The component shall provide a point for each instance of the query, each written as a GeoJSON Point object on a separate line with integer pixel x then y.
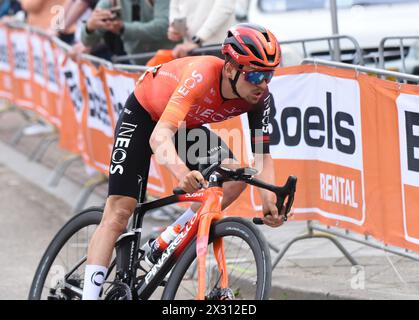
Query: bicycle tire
{"type": "Point", "coordinates": [90, 216]}
{"type": "Point", "coordinates": [231, 226]}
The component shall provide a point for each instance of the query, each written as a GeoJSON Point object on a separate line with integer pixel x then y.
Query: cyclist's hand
{"type": "Point", "coordinates": [271, 216]}
{"type": "Point", "coordinates": [174, 35]}
{"type": "Point", "coordinates": [192, 181]}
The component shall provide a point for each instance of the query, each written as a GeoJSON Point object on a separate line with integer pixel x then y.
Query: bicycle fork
{"type": "Point", "coordinates": [211, 212]}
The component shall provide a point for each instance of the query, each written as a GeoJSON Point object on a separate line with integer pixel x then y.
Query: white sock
{"type": "Point", "coordinates": [94, 278]}
{"type": "Point", "coordinates": [185, 217]}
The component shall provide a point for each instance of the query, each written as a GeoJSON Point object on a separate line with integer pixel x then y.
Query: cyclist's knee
{"type": "Point", "coordinates": [118, 210]}
{"type": "Point", "coordinates": [117, 220]}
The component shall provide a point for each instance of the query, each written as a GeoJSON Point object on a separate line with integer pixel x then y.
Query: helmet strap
{"type": "Point", "coordinates": [233, 82]}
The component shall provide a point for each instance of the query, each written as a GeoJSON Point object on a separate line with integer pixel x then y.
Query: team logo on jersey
{"type": "Point", "coordinates": [190, 83]}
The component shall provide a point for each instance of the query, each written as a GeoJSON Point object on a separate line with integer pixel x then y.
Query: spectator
{"type": "Point", "coordinates": [206, 22]}
{"type": "Point", "coordinates": [76, 11]}
{"type": "Point", "coordinates": [76, 14]}
{"type": "Point", "coordinates": [133, 26]}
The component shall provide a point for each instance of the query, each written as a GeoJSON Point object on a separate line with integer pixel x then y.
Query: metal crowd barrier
{"type": "Point", "coordinates": [334, 50]}
{"type": "Point", "coordinates": [214, 50]}
{"type": "Point", "coordinates": [401, 52]}
{"type": "Point", "coordinates": [328, 232]}
{"type": "Point", "coordinates": [333, 42]}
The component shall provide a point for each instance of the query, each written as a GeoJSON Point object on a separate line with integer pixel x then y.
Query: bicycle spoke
{"type": "Point", "coordinates": [65, 264]}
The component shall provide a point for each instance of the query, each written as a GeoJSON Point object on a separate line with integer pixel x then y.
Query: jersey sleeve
{"type": "Point", "coordinates": [192, 84]}
{"type": "Point", "coordinates": [259, 124]}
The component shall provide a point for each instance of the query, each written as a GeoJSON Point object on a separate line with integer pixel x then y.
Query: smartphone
{"type": "Point", "coordinates": [116, 12]}
{"type": "Point", "coordinates": [180, 25]}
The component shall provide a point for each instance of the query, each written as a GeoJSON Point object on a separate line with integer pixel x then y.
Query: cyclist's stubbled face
{"type": "Point", "coordinates": [249, 92]}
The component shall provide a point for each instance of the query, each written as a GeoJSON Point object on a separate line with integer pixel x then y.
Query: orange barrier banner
{"type": "Point", "coordinates": [53, 84]}
{"type": "Point", "coordinates": [6, 79]}
{"type": "Point", "coordinates": [61, 102]}
{"type": "Point", "coordinates": [22, 69]}
{"type": "Point", "coordinates": [39, 82]}
{"type": "Point", "coordinates": [96, 121]}
{"type": "Point", "coordinates": [118, 86]}
{"type": "Point", "coordinates": [71, 138]}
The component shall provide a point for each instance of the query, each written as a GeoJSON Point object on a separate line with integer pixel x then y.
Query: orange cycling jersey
{"type": "Point", "coordinates": [189, 90]}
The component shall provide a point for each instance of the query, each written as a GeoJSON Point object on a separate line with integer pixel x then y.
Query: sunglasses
{"type": "Point", "coordinates": [257, 77]}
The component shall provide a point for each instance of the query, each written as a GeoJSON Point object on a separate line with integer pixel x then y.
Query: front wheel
{"type": "Point", "coordinates": [248, 264]}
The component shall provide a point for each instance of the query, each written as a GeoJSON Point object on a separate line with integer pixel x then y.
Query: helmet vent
{"type": "Point", "coordinates": [265, 34]}
{"type": "Point", "coordinates": [271, 57]}
{"type": "Point", "coordinates": [238, 50]}
{"type": "Point", "coordinates": [250, 44]}
{"type": "Point", "coordinates": [255, 51]}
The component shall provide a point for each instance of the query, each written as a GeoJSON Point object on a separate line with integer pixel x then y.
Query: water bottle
{"type": "Point", "coordinates": [158, 246]}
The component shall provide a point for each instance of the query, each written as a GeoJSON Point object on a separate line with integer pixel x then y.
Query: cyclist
{"type": "Point", "coordinates": [193, 91]}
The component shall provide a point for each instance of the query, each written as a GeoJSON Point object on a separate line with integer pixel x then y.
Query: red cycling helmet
{"type": "Point", "coordinates": [252, 45]}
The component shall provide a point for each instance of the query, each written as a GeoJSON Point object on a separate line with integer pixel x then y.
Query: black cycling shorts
{"type": "Point", "coordinates": [130, 158]}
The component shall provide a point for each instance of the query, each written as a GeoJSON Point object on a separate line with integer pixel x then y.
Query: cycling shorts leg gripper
{"type": "Point", "coordinates": [130, 158]}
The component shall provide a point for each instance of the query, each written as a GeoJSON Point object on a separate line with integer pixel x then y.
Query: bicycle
{"type": "Point", "coordinates": [185, 261]}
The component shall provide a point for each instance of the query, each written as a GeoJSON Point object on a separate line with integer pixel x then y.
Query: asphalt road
{"type": "Point", "coordinates": [29, 218]}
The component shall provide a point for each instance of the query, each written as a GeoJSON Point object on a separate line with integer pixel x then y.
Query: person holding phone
{"type": "Point", "coordinates": [199, 23]}
{"type": "Point", "coordinates": [138, 25]}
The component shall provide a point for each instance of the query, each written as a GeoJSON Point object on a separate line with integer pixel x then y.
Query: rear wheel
{"type": "Point", "coordinates": [248, 264]}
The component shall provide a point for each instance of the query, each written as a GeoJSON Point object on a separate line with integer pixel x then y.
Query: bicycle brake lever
{"type": "Point", "coordinates": [259, 221]}
{"type": "Point", "coordinates": [285, 193]}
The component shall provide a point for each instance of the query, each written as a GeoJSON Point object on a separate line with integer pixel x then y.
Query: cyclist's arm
{"type": "Point", "coordinates": [164, 149]}
{"type": "Point", "coordinates": [271, 217]}
{"type": "Point", "coordinates": [266, 174]}
{"type": "Point", "coordinates": [259, 124]}
{"type": "Point", "coordinates": [259, 128]}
